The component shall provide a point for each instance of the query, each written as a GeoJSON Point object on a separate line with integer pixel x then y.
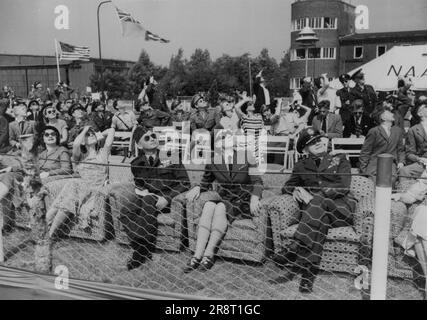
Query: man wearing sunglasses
{"type": "Point", "coordinates": [325, 201]}
{"type": "Point", "coordinates": [359, 124]}
{"type": "Point", "coordinates": [157, 182]}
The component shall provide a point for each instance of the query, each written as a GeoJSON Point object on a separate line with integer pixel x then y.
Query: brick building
{"type": "Point", "coordinates": [358, 49]}
{"type": "Point", "coordinates": [330, 19]}
{"type": "Point", "coordinates": [21, 71]}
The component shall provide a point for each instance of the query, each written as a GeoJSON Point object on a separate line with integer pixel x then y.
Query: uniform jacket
{"type": "Point", "coordinates": [377, 142]}
{"type": "Point", "coordinates": [367, 94]}
{"type": "Point", "coordinates": [198, 122]}
{"type": "Point", "coordinates": [15, 130]}
{"type": "Point", "coordinates": [416, 143]}
{"type": "Point", "coordinates": [163, 179]}
{"type": "Point", "coordinates": [235, 185]}
{"type": "Point", "coordinates": [345, 95]}
{"type": "Point", "coordinates": [334, 125]}
{"type": "Point", "coordinates": [366, 124]}
{"type": "Point", "coordinates": [323, 179]}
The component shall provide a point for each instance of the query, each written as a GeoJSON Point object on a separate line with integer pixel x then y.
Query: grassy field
{"type": "Point", "coordinates": [106, 262]}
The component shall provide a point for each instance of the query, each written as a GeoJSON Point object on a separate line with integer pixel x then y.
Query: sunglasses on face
{"type": "Point", "coordinates": [358, 112]}
{"type": "Point", "coordinates": [151, 136]}
{"type": "Point", "coordinates": [315, 141]}
{"type": "Point", "coordinates": [50, 111]}
{"type": "Point", "coordinates": [49, 134]}
{"type": "Point", "coordinates": [90, 133]}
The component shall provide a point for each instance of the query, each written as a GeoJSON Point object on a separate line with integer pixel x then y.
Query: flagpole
{"type": "Point", "coordinates": [101, 87]}
{"type": "Point", "coordinates": [57, 61]}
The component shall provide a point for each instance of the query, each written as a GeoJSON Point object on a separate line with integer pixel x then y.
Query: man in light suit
{"type": "Point", "coordinates": [328, 124]}
{"type": "Point", "coordinates": [20, 126]}
{"type": "Point", "coordinates": [385, 138]}
{"type": "Point", "coordinates": [416, 148]}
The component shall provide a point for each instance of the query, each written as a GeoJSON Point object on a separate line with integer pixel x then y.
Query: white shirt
{"type": "Point", "coordinates": [266, 95]}
{"type": "Point", "coordinates": [331, 96]}
{"type": "Point", "coordinates": [387, 129]}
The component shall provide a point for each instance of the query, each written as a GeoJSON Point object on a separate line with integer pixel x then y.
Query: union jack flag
{"type": "Point", "coordinates": [130, 26]}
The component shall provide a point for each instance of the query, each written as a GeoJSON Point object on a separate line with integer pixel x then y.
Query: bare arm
{"type": "Point", "coordinates": [109, 138]}
{"type": "Point", "coordinates": [78, 142]}
{"type": "Point", "coordinates": [238, 107]}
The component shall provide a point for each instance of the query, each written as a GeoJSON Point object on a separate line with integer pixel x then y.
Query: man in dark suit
{"type": "Point", "coordinates": [345, 97]}
{"type": "Point", "coordinates": [359, 123]}
{"type": "Point", "coordinates": [385, 138]}
{"type": "Point", "coordinates": [325, 201]}
{"type": "Point", "coordinates": [20, 126]}
{"type": "Point", "coordinates": [309, 97]}
{"type": "Point", "coordinates": [261, 93]}
{"type": "Point", "coordinates": [416, 148]}
{"type": "Point", "coordinates": [327, 123]}
{"type": "Point", "coordinates": [4, 127]}
{"type": "Point", "coordinates": [363, 91]}
{"type": "Point", "coordinates": [157, 181]}
{"type": "Point", "coordinates": [156, 96]}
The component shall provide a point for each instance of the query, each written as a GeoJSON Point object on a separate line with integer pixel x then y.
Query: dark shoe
{"type": "Point", "coordinates": [284, 257]}
{"type": "Point", "coordinates": [307, 280]}
{"type": "Point", "coordinates": [192, 265]}
{"type": "Point", "coordinates": [287, 277]}
{"type": "Point", "coordinates": [136, 261]}
{"type": "Point", "coordinates": [207, 263]}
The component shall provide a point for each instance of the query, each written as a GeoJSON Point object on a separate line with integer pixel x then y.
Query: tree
{"type": "Point", "coordinates": [142, 70]}
{"type": "Point", "coordinates": [232, 73]}
{"type": "Point", "coordinates": [115, 83]}
{"type": "Point", "coordinates": [174, 81]}
{"type": "Point", "coordinates": [199, 75]}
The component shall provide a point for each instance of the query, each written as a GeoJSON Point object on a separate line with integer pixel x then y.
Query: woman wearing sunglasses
{"type": "Point", "coordinates": [54, 160]}
{"type": "Point", "coordinates": [237, 197]}
{"type": "Point", "coordinates": [51, 119]}
{"type": "Point", "coordinates": [82, 197]}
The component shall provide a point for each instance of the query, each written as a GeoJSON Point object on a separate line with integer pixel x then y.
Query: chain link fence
{"type": "Point", "coordinates": [93, 242]}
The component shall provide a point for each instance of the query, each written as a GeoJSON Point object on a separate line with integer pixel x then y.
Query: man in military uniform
{"type": "Point", "coordinates": [363, 91]}
{"type": "Point", "coordinates": [325, 201]}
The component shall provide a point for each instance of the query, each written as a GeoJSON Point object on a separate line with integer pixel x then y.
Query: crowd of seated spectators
{"type": "Point", "coordinates": [69, 131]}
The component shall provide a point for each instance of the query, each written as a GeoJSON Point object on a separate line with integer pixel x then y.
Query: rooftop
{"type": "Point", "coordinates": [384, 36]}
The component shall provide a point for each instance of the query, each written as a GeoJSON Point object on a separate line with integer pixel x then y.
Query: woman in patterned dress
{"type": "Point", "coordinates": [79, 197]}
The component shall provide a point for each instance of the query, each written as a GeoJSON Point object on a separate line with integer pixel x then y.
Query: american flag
{"type": "Point", "coordinates": [151, 36]}
{"type": "Point", "coordinates": [71, 52]}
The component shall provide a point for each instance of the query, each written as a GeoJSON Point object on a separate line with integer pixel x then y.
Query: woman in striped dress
{"type": "Point", "coordinates": [251, 123]}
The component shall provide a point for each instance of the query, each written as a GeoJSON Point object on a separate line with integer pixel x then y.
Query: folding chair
{"type": "Point", "coordinates": [123, 141]}
{"type": "Point", "coordinates": [351, 147]}
{"type": "Point", "coordinates": [273, 148]}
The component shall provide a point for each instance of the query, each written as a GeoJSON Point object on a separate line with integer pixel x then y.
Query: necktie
{"type": "Point", "coordinates": [21, 127]}
{"type": "Point", "coordinates": [151, 161]}
{"type": "Point", "coordinates": [358, 128]}
{"type": "Point", "coordinates": [324, 124]}
{"type": "Point", "coordinates": [318, 160]}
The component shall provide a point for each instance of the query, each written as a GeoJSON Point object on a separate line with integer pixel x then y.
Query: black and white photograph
{"type": "Point", "coordinates": [218, 153]}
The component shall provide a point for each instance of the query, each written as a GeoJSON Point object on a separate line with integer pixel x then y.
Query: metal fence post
{"type": "Point", "coordinates": [381, 227]}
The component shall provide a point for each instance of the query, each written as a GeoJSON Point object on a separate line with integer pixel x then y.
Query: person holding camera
{"type": "Point", "coordinates": [62, 91]}
{"type": "Point", "coordinates": [156, 97]}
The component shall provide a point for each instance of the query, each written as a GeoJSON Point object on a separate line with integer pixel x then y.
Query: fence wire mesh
{"type": "Point", "coordinates": [98, 237]}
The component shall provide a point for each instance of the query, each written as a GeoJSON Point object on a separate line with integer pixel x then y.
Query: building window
{"type": "Point", "coordinates": [329, 53]}
{"type": "Point", "coordinates": [381, 50]}
{"type": "Point", "coordinates": [300, 23]}
{"type": "Point", "coordinates": [315, 23]}
{"type": "Point", "coordinates": [358, 52]}
{"type": "Point", "coordinates": [314, 53]}
{"type": "Point", "coordinates": [329, 23]}
{"type": "Point", "coordinates": [295, 83]}
{"type": "Point", "coordinates": [300, 54]}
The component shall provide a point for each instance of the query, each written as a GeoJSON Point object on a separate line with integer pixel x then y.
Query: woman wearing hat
{"type": "Point", "coordinates": [50, 115]}
{"type": "Point", "coordinates": [237, 197]}
{"type": "Point", "coordinates": [81, 198]}
{"type": "Point", "coordinates": [203, 117]}
{"type": "Point", "coordinates": [384, 138]}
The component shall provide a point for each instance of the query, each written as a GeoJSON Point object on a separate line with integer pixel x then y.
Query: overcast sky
{"type": "Point", "coordinates": [221, 26]}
